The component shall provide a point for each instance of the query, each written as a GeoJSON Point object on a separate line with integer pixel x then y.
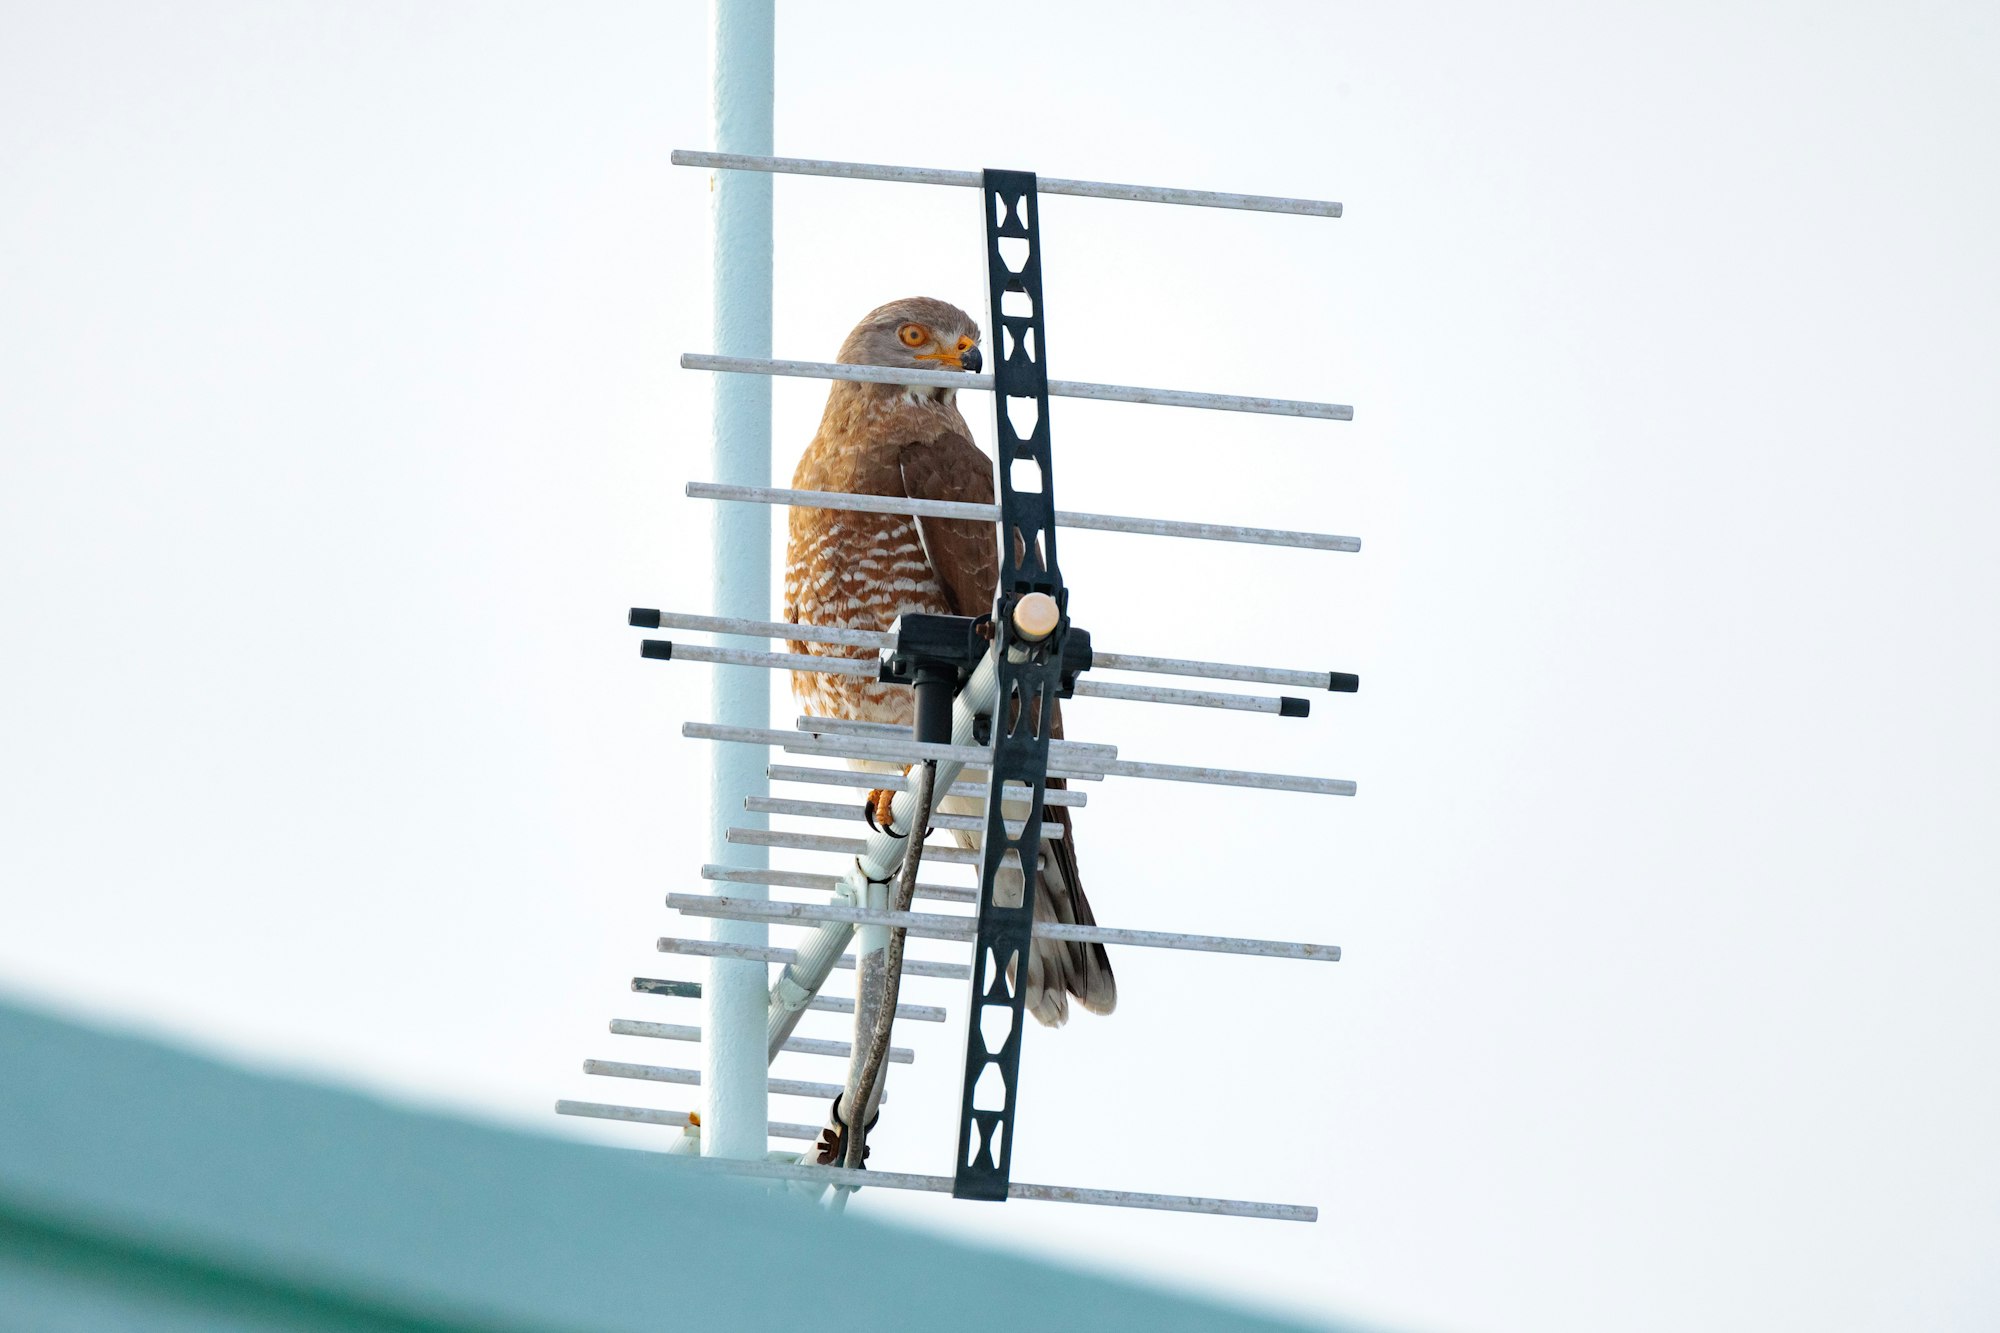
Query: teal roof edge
{"type": "Point", "coordinates": [144, 1157]}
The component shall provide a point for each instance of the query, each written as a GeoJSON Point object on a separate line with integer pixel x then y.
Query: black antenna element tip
{"type": "Point", "coordinates": [1342, 682]}
{"type": "Point", "coordinates": [686, 990]}
{"type": "Point", "coordinates": [660, 648]}
{"type": "Point", "coordinates": [644, 618]}
{"type": "Point", "coordinates": [1290, 707]}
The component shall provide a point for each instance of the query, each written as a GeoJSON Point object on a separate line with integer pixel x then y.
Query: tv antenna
{"type": "Point", "coordinates": [985, 695]}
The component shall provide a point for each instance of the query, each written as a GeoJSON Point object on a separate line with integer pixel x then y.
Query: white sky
{"type": "Point", "coordinates": [341, 424]}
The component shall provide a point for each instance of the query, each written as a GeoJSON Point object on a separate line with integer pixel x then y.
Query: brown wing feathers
{"type": "Point", "coordinates": [963, 553]}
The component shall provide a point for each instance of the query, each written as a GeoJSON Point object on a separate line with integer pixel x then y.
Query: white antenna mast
{"type": "Point", "coordinates": [742, 32]}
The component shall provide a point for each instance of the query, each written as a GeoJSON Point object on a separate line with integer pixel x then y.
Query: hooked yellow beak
{"type": "Point", "coordinates": [953, 359]}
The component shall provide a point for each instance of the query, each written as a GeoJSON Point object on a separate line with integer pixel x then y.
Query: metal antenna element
{"type": "Point", "coordinates": [1170, 1203]}
{"type": "Point", "coordinates": [902, 504]}
{"type": "Point", "coordinates": [914, 967]}
{"type": "Point", "coordinates": [972, 791]}
{"type": "Point", "coordinates": [940, 926]}
{"type": "Point", "coordinates": [954, 379]}
{"type": "Point", "coordinates": [632, 1027]}
{"type": "Point", "coordinates": [646, 1115]}
{"type": "Point", "coordinates": [1340, 682]}
{"type": "Point", "coordinates": [773, 805]}
{"type": "Point", "coordinates": [868, 171]}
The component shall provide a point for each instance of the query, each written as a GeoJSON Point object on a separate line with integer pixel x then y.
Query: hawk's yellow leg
{"type": "Point", "coordinates": [878, 810]}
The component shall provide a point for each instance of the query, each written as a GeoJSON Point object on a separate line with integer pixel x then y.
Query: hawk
{"type": "Point", "coordinates": [861, 571]}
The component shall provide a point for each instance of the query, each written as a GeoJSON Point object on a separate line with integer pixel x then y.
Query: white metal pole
{"type": "Point", "coordinates": [734, 1064]}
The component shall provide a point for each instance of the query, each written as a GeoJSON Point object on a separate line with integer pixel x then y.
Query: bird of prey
{"type": "Point", "coordinates": [861, 571]}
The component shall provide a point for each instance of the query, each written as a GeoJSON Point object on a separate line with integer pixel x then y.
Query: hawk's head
{"type": "Point", "coordinates": [916, 332]}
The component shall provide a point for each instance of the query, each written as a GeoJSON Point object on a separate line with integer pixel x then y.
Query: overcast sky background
{"type": "Point", "coordinates": [342, 423]}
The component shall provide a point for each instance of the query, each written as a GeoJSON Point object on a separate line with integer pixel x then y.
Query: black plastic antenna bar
{"type": "Point", "coordinates": [1030, 679]}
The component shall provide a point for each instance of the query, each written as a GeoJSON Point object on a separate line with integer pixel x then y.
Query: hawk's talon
{"type": "Point", "coordinates": [879, 811]}
{"type": "Point", "coordinates": [831, 1147]}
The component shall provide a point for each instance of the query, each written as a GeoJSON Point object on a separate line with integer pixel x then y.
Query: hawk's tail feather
{"type": "Point", "coordinates": [1057, 969]}
{"type": "Point", "coordinates": [1085, 970]}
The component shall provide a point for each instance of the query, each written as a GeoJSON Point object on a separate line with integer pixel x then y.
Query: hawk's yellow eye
{"type": "Point", "coordinates": [913, 335]}
{"type": "Point", "coordinates": [964, 345]}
